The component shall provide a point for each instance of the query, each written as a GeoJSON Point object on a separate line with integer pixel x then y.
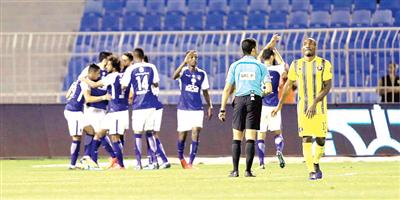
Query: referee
{"type": "Point", "coordinates": [250, 80]}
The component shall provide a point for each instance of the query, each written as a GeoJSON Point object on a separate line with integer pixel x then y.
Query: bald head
{"type": "Point", "coordinates": [309, 47]}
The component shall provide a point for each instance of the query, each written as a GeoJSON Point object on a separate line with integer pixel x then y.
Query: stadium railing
{"type": "Point", "coordinates": [34, 65]}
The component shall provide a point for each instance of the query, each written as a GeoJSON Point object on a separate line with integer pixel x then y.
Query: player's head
{"type": "Point", "coordinates": [94, 72]}
{"type": "Point", "coordinates": [249, 47]}
{"type": "Point", "coordinates": [309, 47]}
{"type": "Point", "coordinates": [103, 57]}
{"type": "Point", "coordinates": [126, 59]}
{"type": "Point", "coordinates": [268, 56]}
{"type": "Point", "coordinates": [138, 55]}
{"type": "Point", "coordinates": [392, 68]}
{"type": "Point", "coordinates": [113, 64]}
{"type": "Point", "coordinates": [146, 59]}
{"type": "Point", "coordinates": [193, 59]}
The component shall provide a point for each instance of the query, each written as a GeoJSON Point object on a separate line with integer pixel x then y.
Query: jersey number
{"type": "Point", "coordinates": [143, 84]}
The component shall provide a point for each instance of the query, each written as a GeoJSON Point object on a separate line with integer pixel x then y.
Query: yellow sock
{"type": "Point", "coordinates": [307, 153]}
{"type": "Point", "coordinates": [319, 152]}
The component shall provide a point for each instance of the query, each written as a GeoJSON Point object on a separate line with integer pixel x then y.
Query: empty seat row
{"type": "Point", "coordinates": [239, 21]}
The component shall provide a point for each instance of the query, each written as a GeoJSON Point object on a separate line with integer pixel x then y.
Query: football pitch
{"type": "Point", "coordinates": [50, 179]}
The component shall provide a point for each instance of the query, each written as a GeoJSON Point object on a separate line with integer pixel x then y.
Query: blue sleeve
{"type": "Point", "coordinates": [231, 75]}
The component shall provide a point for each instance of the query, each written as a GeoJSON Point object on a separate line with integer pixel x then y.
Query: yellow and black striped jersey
{"type": "Point", "coordinates": [310, 77]}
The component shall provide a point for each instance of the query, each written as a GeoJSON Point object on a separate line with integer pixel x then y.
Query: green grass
{"type": "Point", "coordinates": [360, 180]}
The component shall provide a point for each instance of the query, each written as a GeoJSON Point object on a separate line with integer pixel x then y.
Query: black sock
{"type": "Point", "coordinates": [249, 154]}
{"type": "Point", "coordinates": [236, 147]}
{"type": "Point", "coordinates": [316, 167]}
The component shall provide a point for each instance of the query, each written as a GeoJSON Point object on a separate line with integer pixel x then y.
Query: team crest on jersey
{"type": "Point", "coordinates": [141, 69]}
{"type": "Point", "coordinates": [319, 68]}
{"type": "Point", "coordinates": [198, 77]}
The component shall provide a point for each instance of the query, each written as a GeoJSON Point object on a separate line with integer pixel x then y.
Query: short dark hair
{"type": "Point", "coordinates": [267, 53]}
{"type": "Point", "coordinates": [129, 55]}
{"type": "Point", "coordinates": [104, 55]}
{"type": "Point", "coordinates": [248, 45]}
{"type": "Point", "coordinates": [146, 58]}
{"type": "Point", "coordinates": [115, 63]}
{"type": "Point", "coordinates": [139, 52]}
{"type": "Point", "coordinates": [93, 68]}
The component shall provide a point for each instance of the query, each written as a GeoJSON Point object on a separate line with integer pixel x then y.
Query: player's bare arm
{"type": "Point", "coordinates": [209, 104]}
{"type": "Point", "coordinates": [271, 44]}
{"type": "Point", "coordinates": [325, 90]}
{"type": "Point", "coordinates": [92, 99]}
{"type": "Point", "coordinates": [92, 84]}
{"type": "Point", "coordinates": [278, 56]}
{"type": "Point", "coordinates": [286, 88]}
{"type": "Point", "coordinates": [228, 90]}
{"type": "Point", "coordinates": [182, 65]}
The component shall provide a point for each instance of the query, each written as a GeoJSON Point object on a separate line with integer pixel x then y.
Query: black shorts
{"type": "Point", "coordinates": [247, 112]}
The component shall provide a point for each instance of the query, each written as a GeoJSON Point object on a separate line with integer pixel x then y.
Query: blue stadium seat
{"type": "Point", "coordinates": [393, 5]}
{"type": "Point", "coordinates": [94, 7]}
{"type": "Point", "coordinates": [135, 6]}
{"type": "Point", "coordinates": [110, 22]}
{"type": "Point", "coordinates": [258, 6]}
{"type": "Point", "coordinates": [298, 20]}
{"type": "Point", "coordinates": [361, 18]}
{"type": "Point", "coordinates": [236, 21]}
{"type": "Point", "coordinates": [342, 4]}
{"type": "Point", "coordinates": [277, 20]}
{"type": "Point", "coordinates": [321, 5]}
{"type": "Point", "coordinates": [257, 21]}
{"type": "Point", "coordinates": [152, 22]}
{"type": "Point", "coordinates": [173, 21]}
{"type": "Point", "coordinates": [397, 18]}
{"type": "Point", "coordinates": [114, 6]}
{"type": "Point", "coordinates": [238, 6]}
{"type": "Point", "coordinates": [382, 18]}
{"type": "Point", "coordinates": [300, 5]}
{"type": "Point", "coordinates": [364, 5]}
{"type": "Point", "coordinates": [215, 21]}
{"type": "Point", "coordinates": [155, 7]}
{"type": "Point", "coordinates": [280, 6]}
{"type": "Point", "coordinates": [320, 19]}
{"type": "Point", "coordinates": [340, 18]}
{"type": "Point", "coordinates": [194, 21]}
{"type": "Point", "coordinates": [176, 6]}
{"type": "Point", "coordinates": [90, 22]}
{"type": "Point", "coordinates": [131, 22]}
{"type": "Point", "coordinates": [218, 6]}
{"type": "Point", "coordinates": [196, 6]}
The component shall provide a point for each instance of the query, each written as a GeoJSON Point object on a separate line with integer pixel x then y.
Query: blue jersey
{"type": "Point", "coordinates": [248, 75]}
{"type": "Point", "coordinates": [119, 100]}
{"type": "Point", "coordinates": [275, 73]}
{"type": "Point", "coordinates": [141, 77]}
{"type": "Point", "coordinates": [191, 84]}
{"type": "Point", "coordinates": [76, 100]}
{"type": "Point", "coordinates": [97, 91]}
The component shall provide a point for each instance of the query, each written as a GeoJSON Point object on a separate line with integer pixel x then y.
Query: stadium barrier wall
{"type": "Point", "coordinates": [40, 130]}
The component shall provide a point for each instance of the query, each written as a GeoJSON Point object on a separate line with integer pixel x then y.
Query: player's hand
{"type": "Point", "coordinates": [276, 110]}
{"type": "Point", "coordinates": [188, 57]}
{"type": "Point", "coordinates": [311, 111]}
{"type": "Point", "coordinates": [221, 116]}
{"type": "Point", "coordinates": [276, 37]}
{"type": "Point", "coordinates": [209, 113]}
{"type": "Point", "coordinates": [108, 97]}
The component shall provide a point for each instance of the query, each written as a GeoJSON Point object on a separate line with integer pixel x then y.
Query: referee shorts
{"type": "Point", "coordinates": [247, 112]}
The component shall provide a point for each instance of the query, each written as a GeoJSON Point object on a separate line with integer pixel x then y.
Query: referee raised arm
{"type": "Point", "coordinates": [250, 80]}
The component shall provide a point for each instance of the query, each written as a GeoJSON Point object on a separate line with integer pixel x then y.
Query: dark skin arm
{"type": "Point", "coordinates": [285, 92]}
{"type": "Point", "coordinates": [325, 90]}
